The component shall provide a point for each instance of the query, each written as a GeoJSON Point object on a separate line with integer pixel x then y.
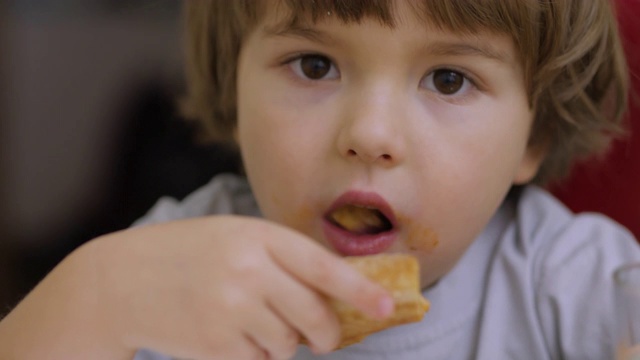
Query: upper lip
{"type": "Point", "coordinates": [364, 199]}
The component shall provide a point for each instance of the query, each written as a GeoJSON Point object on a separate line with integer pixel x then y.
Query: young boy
{"type": "Point", "coordinates": [437, 119]}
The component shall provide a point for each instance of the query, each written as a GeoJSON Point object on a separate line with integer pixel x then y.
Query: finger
{"type": "Point", "coordinates": [248, 349]}
{"type": "Point", "coordinates": [305, 310]}
{"type": "Point", "coordinates": [273, 334]}
{"type": "Point", "coordinates": [332, 276]}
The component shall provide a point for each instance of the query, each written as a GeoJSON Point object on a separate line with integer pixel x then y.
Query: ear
{"type": "Point", "coordinates": [530, 164]}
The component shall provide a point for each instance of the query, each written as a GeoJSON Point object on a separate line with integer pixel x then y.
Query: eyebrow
{"type": "Point", "coordinates": [436, 48]}
{"type": "Point", "coordinates": [288, 30]}
{"type": "Point", "coordinates": [466, 49]}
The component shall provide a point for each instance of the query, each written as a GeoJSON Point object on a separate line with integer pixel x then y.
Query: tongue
{"type": "Point", "coordinates": [360, 220]}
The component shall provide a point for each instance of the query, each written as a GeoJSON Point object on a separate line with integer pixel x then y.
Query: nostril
{"type": "Point", "coordinates": [351, 152]}
{"type": "Point", "coordinates": [386, 157]}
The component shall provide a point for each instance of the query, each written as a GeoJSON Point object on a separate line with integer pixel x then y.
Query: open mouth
{"type": "Point", "coordinates": [360, 223]}
{"type": "Point", "coordinates": [360, 220]}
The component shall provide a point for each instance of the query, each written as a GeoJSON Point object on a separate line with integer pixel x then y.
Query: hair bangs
{"type": "Point", "coordinates": [469, 16]}
{"type": "Point", "coordinates": [353, 11]}
{"type": "Point", "coordinates": [465, 16]}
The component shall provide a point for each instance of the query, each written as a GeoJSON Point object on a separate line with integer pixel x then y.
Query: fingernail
{"type": "Point", "coordinates": [386, 306]}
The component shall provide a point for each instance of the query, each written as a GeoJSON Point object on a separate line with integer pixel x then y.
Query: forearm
{"type": "Point", "coordinates": [62, 318]}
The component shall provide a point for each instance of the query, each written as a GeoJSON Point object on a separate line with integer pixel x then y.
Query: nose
{"type": "Point", "coordinates": [372, 129]}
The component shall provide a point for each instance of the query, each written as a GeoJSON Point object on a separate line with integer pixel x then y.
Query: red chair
{"type": "Point", "coordinates": [612, 187]}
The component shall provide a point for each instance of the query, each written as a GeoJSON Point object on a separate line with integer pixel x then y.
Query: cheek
{"type": "Point", "coordinates": [473, 169]}
{"type": "Point", "coordinates": [278, 158]}
{"type": "Point", "coordinates": [272, 147]}
{"type": "Point", "coordinates": [500, 149]}
{"type": "Point", "coordinates": [281, 132]}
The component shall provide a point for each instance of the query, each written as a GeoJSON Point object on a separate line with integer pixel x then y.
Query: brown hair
{"type": "Point", "coordinates": [574, 65]}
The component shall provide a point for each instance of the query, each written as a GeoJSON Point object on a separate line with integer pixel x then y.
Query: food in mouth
{"type": "Point", "coordinates": [360, 219]}
{"type": "Point", "coordinates": [399, 274]}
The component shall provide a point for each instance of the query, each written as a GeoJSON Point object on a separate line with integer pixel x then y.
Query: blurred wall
{"type": "Point", "coordinates": [4, 257]}
{"type": "Point", "coordinates": [69, 72]}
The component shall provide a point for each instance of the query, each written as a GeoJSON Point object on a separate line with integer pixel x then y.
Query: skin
{"type": "Point", "coordinates": [231, 287]}
{"type": "Point", "coordinates": [222, 287]}
{"type": "Point", "coordinates": [380, 124]}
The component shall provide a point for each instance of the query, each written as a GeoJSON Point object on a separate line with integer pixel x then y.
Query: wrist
{"type": "Point", "coordinates": [102, 292]}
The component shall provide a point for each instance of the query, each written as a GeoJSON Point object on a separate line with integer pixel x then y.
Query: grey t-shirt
{"type": "Point", "coordinates": [535, 284]}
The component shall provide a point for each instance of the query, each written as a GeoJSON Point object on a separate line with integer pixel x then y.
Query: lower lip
{"type": "Point", "coordinates": [349, 244]}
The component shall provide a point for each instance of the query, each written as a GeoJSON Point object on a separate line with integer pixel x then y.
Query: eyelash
{"type": "Point", "coordinates": [288, 62]}
{"type": "Point", "coordinates": [468, 79]}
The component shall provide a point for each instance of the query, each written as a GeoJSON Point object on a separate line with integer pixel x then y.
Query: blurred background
{"type": "Point", "coordinates": [90, 137]}
{"type": "Point", "coordinates": [89, 134]}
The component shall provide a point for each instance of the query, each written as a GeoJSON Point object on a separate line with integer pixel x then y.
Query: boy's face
{"type": "Point", "coordinates": [372, 139]}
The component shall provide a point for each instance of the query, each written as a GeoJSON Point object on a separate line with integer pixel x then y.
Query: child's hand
{"type": "Point", "coordinates": [226, 287]}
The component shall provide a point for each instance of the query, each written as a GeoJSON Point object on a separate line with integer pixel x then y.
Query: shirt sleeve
{"type": "Point", "coordinates": [224, 194]}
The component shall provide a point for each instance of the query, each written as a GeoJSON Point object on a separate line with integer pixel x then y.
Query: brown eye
{"type": "Point", "coordinates": [315, 66]}
{"type": "Point", "coordinates": [448, 82]}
